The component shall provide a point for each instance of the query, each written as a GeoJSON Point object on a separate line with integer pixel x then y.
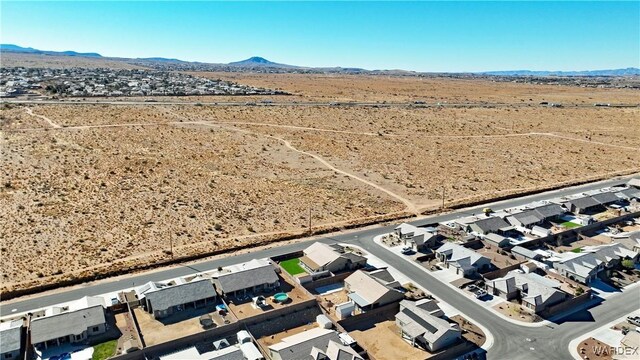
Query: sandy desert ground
{"type": "Point", "coordinates": [91, 187]}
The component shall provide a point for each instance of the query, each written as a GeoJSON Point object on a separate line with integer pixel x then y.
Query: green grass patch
{"type": "Point", "coordinates": [577, 250]}
{"type": "Point", "coordinates": [292, 266]}
{"type": "Point", "coordinates": [570, 225]}
{"type": "Point", "coordinates": [105, 350]}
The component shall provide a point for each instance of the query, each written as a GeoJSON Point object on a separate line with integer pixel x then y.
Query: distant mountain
{"type": "Point", "coordinates": [20, 49]}
{"type": "Point", "coordinates": [161, 59]}
{"type": "Point", "coordinates": [257, 61]}
{"type": "Point", "coordinates": [260, 64]}
{"type": "Point", "coordinates": [612, 72]}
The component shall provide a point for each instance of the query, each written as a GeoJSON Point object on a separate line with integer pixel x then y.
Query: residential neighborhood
{"type": "Point", "coordinates": [330, 300]}
{"type": "Point", "coordinates": [81, 82]}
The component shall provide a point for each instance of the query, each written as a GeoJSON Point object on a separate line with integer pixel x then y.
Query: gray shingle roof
{"type": "Point", "coordinates": [247, 278]}
{"type": "Point", "coordinates": [491, 224]}
{"type": "Point", "coordinates": [583, 202]}
{"type": "Point", "coordinates": [519, 250]}
{"type": "Point", "coordinates": [67, 323]}
{"type": "Point", "coordinates": [179, 294]}
{"type": "Point", "coordinates": [299, 346]}
{"type": "Point", "coordinates": [605, 198]}
{"type": "Point", "coordinates": [528, 217]}
{"type": "Point", "coordinates": [10, 339]}
{"type": "Point", "coordinates": [630, 193]}
{"type": "Point", "coordinates": [550, 210]}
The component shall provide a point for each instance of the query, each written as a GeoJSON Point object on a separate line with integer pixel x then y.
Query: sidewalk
{"type": "Point", "coordinates": [604, 334]}
{"type": "Point", "coordinates": [489, 304]}
{"type": "Point", "coordinates": [446, 308]}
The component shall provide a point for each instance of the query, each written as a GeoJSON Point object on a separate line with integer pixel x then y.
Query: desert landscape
{"type": "Point", "coordinates": [112, 186]}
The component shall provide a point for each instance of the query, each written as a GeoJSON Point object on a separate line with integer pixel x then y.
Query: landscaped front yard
{"type": "Point", "coordinates": [292, 266]}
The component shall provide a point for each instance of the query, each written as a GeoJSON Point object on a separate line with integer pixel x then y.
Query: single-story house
{"type": "Point", "coordinates": [257, 275]}
{"type": "Point", "coordinates": [526, 219]}
{"type": "Point", "coordinates": [634, 182]}
{"type": "Point", "coordinates": [163, 300]}
{"type": "Point", "coordinates": [10, 339]}
{"type": "Point", "coordinates": [420, 239]}
{"type": "Point", "coordinates": [536, 292]}
{"type": "Point", "coordinates": [582, 267]}
{"type": "Point", "coordinates": [68, 325]}
{"type": "Point", "coordinates": [586, 265]}
{"type": "Point", "coordinates": [465, 261]}
{"type": "Point", "coordinates": [525, 254]}
{"type": "Point", "coordinates": [550, 211]}
{"type": "Point", "coordinates": [323, 257]}
{"type": "Point", "coordinates": [630, 240]}
{"type": "Point", "coordinates": [606, 198]}
{"type": "Point", "coordinates": [369, 290]}
{"type": "Point", "coordinates": [301, 345]}
{"type": "Point", "coordinates": [581, 205]}
{"type": "Point", "coordinates": [629, 194]}
{"type": "Point", "coordinates": [494, 224]}
{"type": "Point", "coordinates": [335, 351]}
{"type": "Point", "coordinates": [425, 330]}
{"type": "Point", "coordinates": [496, 240]}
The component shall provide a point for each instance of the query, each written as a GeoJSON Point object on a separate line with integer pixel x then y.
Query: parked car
{"type": "Point", "coordinates": [481, 293]}
{"type": "Point", "coordinates": [634, 320]}
{"type": "Point", "coordinates": [407, 250]}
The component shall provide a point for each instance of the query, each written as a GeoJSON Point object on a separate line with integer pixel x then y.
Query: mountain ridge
{"type": "Point", "coordinates": [260, 62]}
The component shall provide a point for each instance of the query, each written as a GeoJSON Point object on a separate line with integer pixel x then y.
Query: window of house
{"type": "Point", "coordinates": [96, 329]}
{"type": "Point", "coordinates": [8, 356]}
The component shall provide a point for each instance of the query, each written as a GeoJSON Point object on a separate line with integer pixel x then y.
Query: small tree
{"type": "Point", "coordinates": [579, 291]}
{"type": "Point", "coordinates": [628, 264]}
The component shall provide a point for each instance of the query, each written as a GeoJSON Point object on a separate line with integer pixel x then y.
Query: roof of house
{"type": "Point", "coordinates": [429, 305]}
{"type": "Point", "coordinates": [491, 224]}
{"type": "Point", "coordinates": [530, 254]}
{"type": "Point", "coordinates": [369, 287]}
{"type": "Point", "coordinates": [495, 238]}
{"type": "Point", "coordinates": [583, 264]}
{"type": "Point", "coordinates": [461, 255]}
{"type": "Point", "coordinates": [535, 288]}
{"type": "Point", "coordinates": [583, 202]}
{"type": "Point", "coordinates": [634, 182]}
{"type": "Point", "coordinates": [335, 351]}
{"type": "Point", "coordinates": [609, 252]}
{"type": "Point", "coordinates": [528, 217]}
{"type": "Point", "coordinates": [66, 323]}
{"type": "Point", "coordinates": [320, 255]}
{"type": "Point", "coordinates": [405, 228]}
{"type": "Point", "coordinates": [165, 297]}
{"type": "Point", "coordinates": [549, 210]}
{"type": "Point", "coordinates": [605, 198]}
{"type": "Point", "coordinates": [629, 193]}
{"type": "Point", "coordinates": [10, 336]}
{"type": "Point", "coordinates": [299, 346]}
{"type": "Point", "coordinates": [245, 275]}
{"type": "Point", "coordinates": [418, 322]}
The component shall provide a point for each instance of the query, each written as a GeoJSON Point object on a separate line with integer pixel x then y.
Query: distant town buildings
{"type": "Point", "coordinates": [80, 82]}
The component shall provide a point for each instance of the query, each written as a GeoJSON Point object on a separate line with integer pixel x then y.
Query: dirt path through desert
{"type": "Point", "coordinates": [49, 121]}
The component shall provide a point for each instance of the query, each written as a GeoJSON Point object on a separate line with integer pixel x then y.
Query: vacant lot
{"type": "Point", "coordinates": [92, 187]}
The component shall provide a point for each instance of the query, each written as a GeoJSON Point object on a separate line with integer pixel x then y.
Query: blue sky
{"type": "Point", "coordinates": [422, 36]}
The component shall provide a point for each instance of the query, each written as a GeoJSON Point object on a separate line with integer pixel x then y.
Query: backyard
{"type": "Point", "coordinates": [104, 350]}
{"type": "Point", "coordinates": [292, 266]}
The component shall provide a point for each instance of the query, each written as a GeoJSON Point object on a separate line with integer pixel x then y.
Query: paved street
{"type": "Point", "coordinates": [512, 341]}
